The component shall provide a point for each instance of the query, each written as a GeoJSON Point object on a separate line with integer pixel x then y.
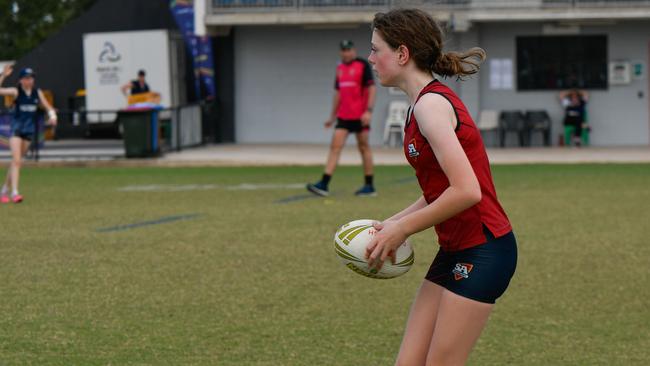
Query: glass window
{"type": "Point", "coordinates": [561, 62]}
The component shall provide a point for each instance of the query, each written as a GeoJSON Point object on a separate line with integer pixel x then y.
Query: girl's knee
{"type": "Point", "coordinates": [409, 360]}
{"type": "Point", "coordinates": [444, 356]}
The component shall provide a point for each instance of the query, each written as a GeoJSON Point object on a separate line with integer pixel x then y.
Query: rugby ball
{"type": "Point", "coordinates": [350, 243]}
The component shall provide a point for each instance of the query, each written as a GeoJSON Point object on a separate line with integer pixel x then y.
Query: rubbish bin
{"type": "Point", "coordinates": [140, 128]}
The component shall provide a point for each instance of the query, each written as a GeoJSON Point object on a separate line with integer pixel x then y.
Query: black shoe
{"type": "Point", "coordinates": [318, 189]}
{"type": "Point", "coordinates": [366, 191]}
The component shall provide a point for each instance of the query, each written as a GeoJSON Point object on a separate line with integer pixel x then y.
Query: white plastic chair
{"type": "Point", "coordinates": [488, 120]}
{"type": "Point", "coordinates": [396, 120]}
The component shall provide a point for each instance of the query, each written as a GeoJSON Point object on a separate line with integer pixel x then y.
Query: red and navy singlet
{"type": "Point", "coordinates": [352, 82]}
{"type": "Point", "coordinates": [465, 230]}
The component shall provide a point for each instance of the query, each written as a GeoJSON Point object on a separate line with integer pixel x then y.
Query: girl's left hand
{"type": "Point", "coordinates": [385, 243]}
{"type": "Point", "coordinates": [52, 118]}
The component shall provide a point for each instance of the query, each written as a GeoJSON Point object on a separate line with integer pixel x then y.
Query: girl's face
{"type": "Point", "coordinates": [384, 61]}
{"type": "Point", "coordinates": [27, 82]}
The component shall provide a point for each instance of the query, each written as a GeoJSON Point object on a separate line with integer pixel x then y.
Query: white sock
{"type": "Point", "coordinates": [4, 190]}
{"type": "Point", "coordinates": [14, 193]}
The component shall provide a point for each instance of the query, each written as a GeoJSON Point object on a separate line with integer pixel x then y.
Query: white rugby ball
{"type": "Point", "coordinates": [350, 243]}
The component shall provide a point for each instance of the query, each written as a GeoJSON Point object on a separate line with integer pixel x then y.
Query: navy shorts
{"type": "Point", "coordinates": [22, 130]}
{"type": "Point", "coordinates": [23, 135]}
{"type": "Point", "coordinates": [480, 273]}
{"type": "Point", "coordinates": [352, 125]}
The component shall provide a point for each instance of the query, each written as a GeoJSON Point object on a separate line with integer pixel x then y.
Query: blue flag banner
{"type": "Point", "coordinates": [200, 48]}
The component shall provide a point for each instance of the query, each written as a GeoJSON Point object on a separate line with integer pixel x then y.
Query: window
{"type": "Point", "coordinates": [561, 62]}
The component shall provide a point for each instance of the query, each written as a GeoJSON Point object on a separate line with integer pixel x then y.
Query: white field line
{"type": "Point", "coordinates": [206, 187]}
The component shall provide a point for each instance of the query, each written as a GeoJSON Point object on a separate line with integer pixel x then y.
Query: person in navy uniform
{"type": "Point", "coordinates": [478, 251]}
{"type": "Point", "coordinates": [137, 86]}
{"type": "Point", "coordinates": [27, 99]}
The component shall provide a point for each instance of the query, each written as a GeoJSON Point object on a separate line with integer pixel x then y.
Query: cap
{"type": "Point", "coordinates": [27, 71]}
{"type": "Point", "coordinates": [346, 44]}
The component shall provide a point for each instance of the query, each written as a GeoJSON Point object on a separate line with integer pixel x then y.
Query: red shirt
{"type": "Point", "coordinates": [464, 230]}
{"type": "Point", "coordinates": [352, 82]}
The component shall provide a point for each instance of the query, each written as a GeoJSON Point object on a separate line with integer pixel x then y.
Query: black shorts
{"type": "Point", "coordinates": [352, 125]}
{"type": "Point", "coordinates": [480, 273]}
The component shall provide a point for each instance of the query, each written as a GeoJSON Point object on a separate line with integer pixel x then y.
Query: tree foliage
{"type": "Point", "coordinates": [24, 24]}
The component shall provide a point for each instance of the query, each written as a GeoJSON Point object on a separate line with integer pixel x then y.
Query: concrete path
{"type": "Point", "coordinates": [111, 153]}
{"type": "Point", "coordinates": [316, 155]}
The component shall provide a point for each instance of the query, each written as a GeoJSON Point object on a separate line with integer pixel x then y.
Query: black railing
{"type": "Point", "coordinates": [218, 6]}
{"type": "Point", "coordinates": [180, 127]}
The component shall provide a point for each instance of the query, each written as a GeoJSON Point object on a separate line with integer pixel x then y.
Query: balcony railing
{"type": "Point", "coordinates": [219, 6]}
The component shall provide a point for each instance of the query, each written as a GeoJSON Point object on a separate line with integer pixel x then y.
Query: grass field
{"type": "Point", "coordinates": [235, 266]}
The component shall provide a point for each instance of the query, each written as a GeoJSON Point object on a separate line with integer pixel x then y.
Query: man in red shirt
{"type": "Point", "coordinates": [352, 110]}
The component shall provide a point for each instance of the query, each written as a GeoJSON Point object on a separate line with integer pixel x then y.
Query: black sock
{"type": "Point", "coordinates": [368, 180]}
{"type": "Point", "coordinates": [326, 179]}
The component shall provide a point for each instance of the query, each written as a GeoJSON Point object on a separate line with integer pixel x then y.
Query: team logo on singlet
{"type": "Point", "coordinates": [28, 108]}
{"type": "Point", "coordinates": [462, 270]}
{"type": "Point", "coordinates": [413, 152]}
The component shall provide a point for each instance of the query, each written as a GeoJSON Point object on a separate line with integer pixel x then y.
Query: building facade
{"type": "Point", "coordinates": [277, 65]}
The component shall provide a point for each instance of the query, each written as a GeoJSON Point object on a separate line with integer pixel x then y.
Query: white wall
{"type": "Point", "coordinates": [284, 82]}
{"type": "Point", "coordinates": [617, 116]}
{"type": "Point", "coordinates": [284, 78]}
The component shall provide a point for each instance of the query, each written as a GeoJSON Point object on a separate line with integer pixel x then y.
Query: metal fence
{"type": "Point", "coordinates": [219, 6]}
{"type": "Point", "coordinates": [186, 127]}
{"type": "Point", "coordinates": [179, 127]}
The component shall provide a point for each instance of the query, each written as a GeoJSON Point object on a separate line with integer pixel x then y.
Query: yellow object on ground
{"type": "Point", "coordinates": [149, 97]}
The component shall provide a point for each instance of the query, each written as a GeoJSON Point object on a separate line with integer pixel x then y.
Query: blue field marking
{"type": "Point", "coordinates": [162, 220]}
{"type": "Point", "coordinates": [300, 197]}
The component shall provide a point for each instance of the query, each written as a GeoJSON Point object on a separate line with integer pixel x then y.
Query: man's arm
{"type": "Point", "coordinates": [369, 83]}
{"type": "Point", "coordinates": [126, 88]}
{"type": "Point", "coordinates": [335, 108]}
{"type": "Point", "coordinates": [367, 115]}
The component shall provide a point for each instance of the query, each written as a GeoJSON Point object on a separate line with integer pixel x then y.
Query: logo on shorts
{"type": "Point", "coordinates": [462, 270]}
{"type": "Point", "coordinates": [413, 152]}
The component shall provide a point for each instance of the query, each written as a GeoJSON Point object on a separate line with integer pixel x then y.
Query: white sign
{"type": "Point", "coordinates": [619, 72]}
{"type": "Point", "coordinates": [113, 59]}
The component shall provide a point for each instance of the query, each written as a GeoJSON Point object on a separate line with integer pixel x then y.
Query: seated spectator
{"type": "Point", "coordinates": [574, 102]}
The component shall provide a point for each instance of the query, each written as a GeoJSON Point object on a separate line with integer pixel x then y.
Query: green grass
{"type": "Point", "coordinates": [253, 282]}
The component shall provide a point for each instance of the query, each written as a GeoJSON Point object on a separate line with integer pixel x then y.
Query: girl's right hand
{"type": "Point", "coordinates": [384, 245]}
{"type": "Point", "coordinates": [8, 69]}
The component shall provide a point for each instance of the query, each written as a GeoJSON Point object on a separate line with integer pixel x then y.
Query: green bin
{"type": "Point", "coordinates": [140, 132]}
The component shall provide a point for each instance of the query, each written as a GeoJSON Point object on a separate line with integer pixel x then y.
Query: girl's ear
{"type": "Point", "coordinates": [403, 55]}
